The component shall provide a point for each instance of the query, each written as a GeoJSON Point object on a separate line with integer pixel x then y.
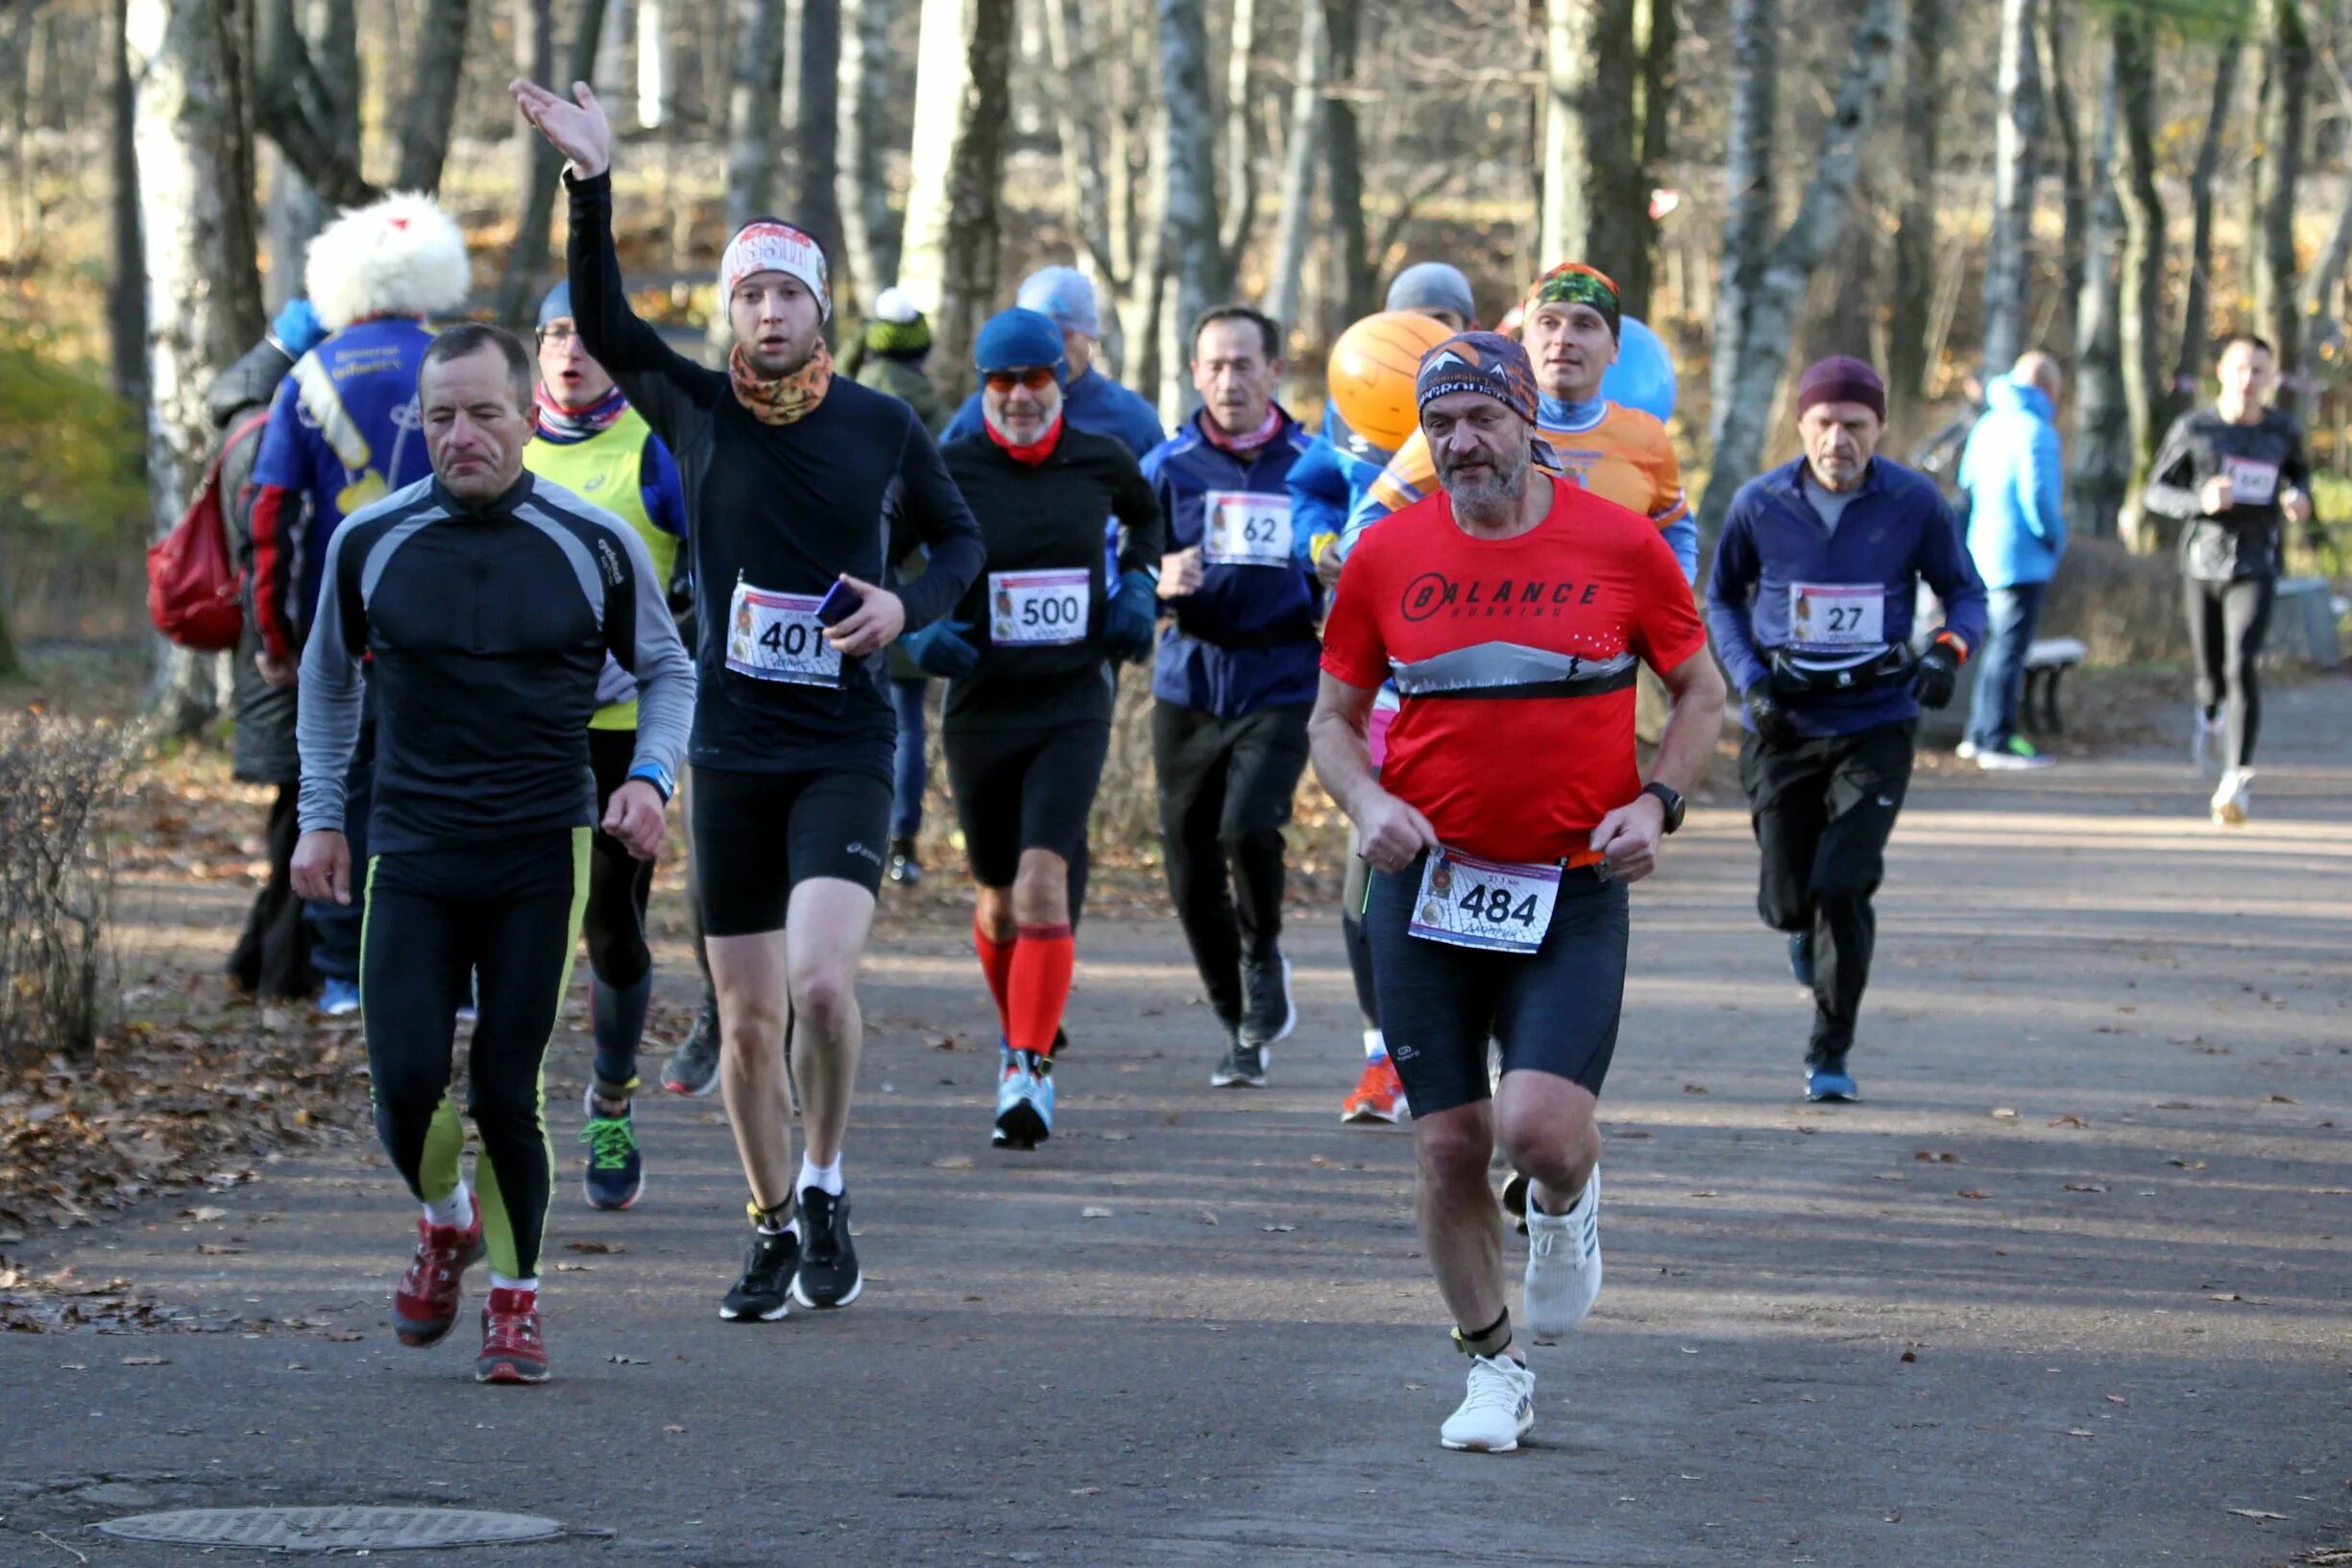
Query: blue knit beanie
{"type": "Point", "coordinates": [1017, 339]}
{"type": "Point", "coordinates": [557, 304]}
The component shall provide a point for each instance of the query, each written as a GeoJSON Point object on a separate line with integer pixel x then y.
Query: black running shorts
{"type": "Point", "coordinates": [1554, 1010]}
{"type": "Point", "coordinates": [1024, 789]}
{"type": "Point", "coordinates": [758, 835]}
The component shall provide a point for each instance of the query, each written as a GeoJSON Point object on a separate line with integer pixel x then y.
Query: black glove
{"type": "Point", "coordinates": [1935, 675]}
{"type": "Point", "coordinates": [1771, 720]}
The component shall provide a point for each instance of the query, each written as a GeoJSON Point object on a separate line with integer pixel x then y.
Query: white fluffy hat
{"type": "Point", "coordinates": [399, 257]}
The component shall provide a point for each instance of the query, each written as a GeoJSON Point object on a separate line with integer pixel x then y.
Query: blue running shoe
{"type": "Point", "coordinates": [1023, 1101]}
{"type": "Point", "coordinates": [338, 999]}
{"type": "Point", "coordinates": [1801, 958]}
{"type": "Point", "coordinates": [1829, 1081]}
{"type": "Point", "coordinates": [615, 1176]}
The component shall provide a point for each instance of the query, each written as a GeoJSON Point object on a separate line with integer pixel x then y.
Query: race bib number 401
{"type": "Point", "coordinates": [1837, 615]}
{"type": "Point", "coordinates": [1241, 529]}
{"type": "Point", "coordinates": [1469, 903]}
{"type": "Point", "coordinates": [1039, 609]}
{"type": "Point", "coordinates": [776, 637]}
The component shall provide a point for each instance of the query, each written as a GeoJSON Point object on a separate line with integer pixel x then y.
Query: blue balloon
{"type": "Point", "coordinates": [1644, 376]}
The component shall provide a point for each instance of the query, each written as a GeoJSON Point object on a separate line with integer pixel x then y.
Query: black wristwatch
{"type": "Point", "coordinates": [1670, 798]}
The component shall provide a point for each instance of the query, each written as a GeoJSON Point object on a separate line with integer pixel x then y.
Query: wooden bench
{"type": "Point", "coordinates": [2046, 660]}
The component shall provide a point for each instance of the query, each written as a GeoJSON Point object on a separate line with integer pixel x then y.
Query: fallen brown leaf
{"type": "Point", "coordinates": [595, 1246]}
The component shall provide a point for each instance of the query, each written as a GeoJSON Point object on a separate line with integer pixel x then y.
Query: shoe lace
{"type": "Point", "coordinates": [511, 1330]}
{"type": "Point", "coordinates": [1491, 1389]}
{"type": "Point", "coordinates": [611, 1139]}
{"type": "Point", "coordinates": [824, 1239]}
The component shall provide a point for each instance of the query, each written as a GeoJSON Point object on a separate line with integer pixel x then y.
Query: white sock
{"type": "Point", "coordinates": [826, 1178]}
{"type": "Point", "coordinates": [499, 1282]}
{"type": "Point", "coordinates": [1375, 1045]}
{"type": "Point", "coordinates": [457, 1209]}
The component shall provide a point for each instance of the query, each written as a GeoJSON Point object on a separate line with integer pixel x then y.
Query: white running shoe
{"type": "Point", "coordinates": [1496, 1411]}
{"type": "Point", "coordinates": [2232, 796]}
{"type": "Point", "coordinates": [1564, 1266]}
{"type": "Point", "coordinates": [2205, 743]}
{"type": "Point", "coordinates": [1965, 751]}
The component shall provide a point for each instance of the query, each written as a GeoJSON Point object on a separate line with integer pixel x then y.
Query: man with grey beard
{"type": "Point", "coordinates": [1507, 816]}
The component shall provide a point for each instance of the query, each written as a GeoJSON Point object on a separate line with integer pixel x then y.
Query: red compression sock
{"type": "Point", "coordinates": [996, 965]}
{"type": "Point", "coordinates": [1042, 962]}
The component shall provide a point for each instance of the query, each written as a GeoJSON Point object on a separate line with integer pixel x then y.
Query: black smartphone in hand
{"type": "Point", "coordinates": [840, 602]}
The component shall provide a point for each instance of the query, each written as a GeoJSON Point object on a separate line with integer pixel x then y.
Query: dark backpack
{"type": "Point", "coordinates": [192, 580]}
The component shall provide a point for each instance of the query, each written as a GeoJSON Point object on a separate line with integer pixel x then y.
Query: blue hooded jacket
{"type": "Point", "coordinates": [2015, 482]}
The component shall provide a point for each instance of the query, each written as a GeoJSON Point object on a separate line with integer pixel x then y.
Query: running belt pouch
{"type": "Point", "coordinates": [191, 581]}
{"type": "Point", "coordinates": [1791, 677]}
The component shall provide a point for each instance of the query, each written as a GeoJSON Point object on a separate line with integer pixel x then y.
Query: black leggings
{"type": "Point", "coordinates": [619, 885]}
{"type": "Point", "coordinates": [502, 912]}
{"type": "Point", "coordinates": [2227, 623]}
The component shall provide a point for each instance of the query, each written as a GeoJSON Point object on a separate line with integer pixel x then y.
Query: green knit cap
{"type": "Point", "coordinates": [894, 326]}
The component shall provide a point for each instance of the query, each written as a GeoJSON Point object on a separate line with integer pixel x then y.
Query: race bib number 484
{"type": "Point", "coordinates": [1241, 529]}
{"type": "Point", "coordinates": [776, 637]}
{"type": "Point", "coordinates": [1038, 608]}
{"type": "Point", "coordinates": [1837, 615]}
{"type": "Point", "coordinates": [1468, 903]}
{"type": "Point", "coordinates": [2252, 483]}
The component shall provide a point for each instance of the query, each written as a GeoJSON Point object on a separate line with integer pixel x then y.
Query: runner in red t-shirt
{"type": "Point", "coordinates": [1509, 815]}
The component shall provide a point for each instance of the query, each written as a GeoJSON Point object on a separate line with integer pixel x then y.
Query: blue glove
{"type": "Point", "coordinates": [1129, 629]}
{"type": "Point", "coordinates": [939, 649]}
{"type": "Point", "coordinates": [297, 328]}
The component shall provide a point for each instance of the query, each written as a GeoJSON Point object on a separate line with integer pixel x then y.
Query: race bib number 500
{"type": "Point", "coordinates": [1038, 608]}
{"type": "Point", "coordinates": [1469, 903]}
{"type": "Point", "coordinates": [1242, 529]}
{"type": "Point", "coordinates": [776, 637]}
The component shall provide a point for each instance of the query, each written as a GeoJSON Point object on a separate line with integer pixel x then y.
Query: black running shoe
{"type": "Point", "coordinates": [692, 1068]}
{"type": "Point", "coordinates": [827, 1274]}
{"type": "Point", "coordinates": [759, 1296]}
{"type": "Point", "coordinates": [1269, 1011]}
{"type": "Point", "coordinates": [1244, 1067]}
{"type": "Point", "coordinates": [904, 870]}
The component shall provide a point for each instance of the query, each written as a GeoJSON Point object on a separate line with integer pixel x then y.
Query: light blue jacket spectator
{"type": "Point", "coordinates": [2015, 482]}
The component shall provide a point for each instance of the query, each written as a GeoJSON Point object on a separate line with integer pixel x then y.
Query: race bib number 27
{"type": "Point", "coordinates": [1468, 903]}
{"type": "Point", "coordinates": [776, 637]}
{"type": "Point", "coordinates": [1837, 615]}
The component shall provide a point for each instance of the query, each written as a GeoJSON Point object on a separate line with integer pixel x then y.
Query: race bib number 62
{"type": "Point", "coordinates": [1242, 529]}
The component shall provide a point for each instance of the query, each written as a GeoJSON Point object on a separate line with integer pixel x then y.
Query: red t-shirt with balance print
{"type": "Point", "coordinates": [1515, 662]}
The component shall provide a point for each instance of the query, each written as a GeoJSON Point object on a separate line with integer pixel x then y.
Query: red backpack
{"type": "Point", "coordinates": [191, 578]}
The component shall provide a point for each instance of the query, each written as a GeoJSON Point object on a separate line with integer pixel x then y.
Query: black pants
{"type": "Point", "coordinates": [272, 958]}
{"type": "Point", "coordinates": [505, 913]}
{"type": "Point", "coordinates": [1225, 792]}
{"type": "Point", "coordinates": [1823, 810]}
{"type": "Point", "coordinates": [1354, 887]}
{"type": "Point", "coordinates": [2227, 623]}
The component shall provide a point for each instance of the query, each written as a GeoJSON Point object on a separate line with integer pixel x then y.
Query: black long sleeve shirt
{"type": "Point", "coordinates": [2264, 458]}
{"type": "Point", "coordinates": [1047, 516]}
{"type": "Point", "coordinates": [852, 486]}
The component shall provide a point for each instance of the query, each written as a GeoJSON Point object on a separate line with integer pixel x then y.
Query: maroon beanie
{"type": "Point", "coordinates": [1841, 379]}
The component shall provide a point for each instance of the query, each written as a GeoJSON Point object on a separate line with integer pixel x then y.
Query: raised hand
{"type": "Point", "coordinates": [575, 127]}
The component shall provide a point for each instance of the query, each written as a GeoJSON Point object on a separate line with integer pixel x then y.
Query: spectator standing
{"type": "Point", "coordinates": [2014, 479]}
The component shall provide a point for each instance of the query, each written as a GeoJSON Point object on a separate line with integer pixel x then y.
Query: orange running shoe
{"type": "Point", "coordinates": [1379, 1096]}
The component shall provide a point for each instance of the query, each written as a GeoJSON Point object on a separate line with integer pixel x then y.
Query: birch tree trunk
{"type": "Point", "coordinates": [195, 185]}
{"type": "Point", "coordinates": [431, 97]}
{"type": "Point", "coordinates": [1594, 208]}
{"type": "Point", "coordinates": [2103, 455]}
{"type": "Point", "coordinates": [1913, 314]}
{"type": "Point", "coordinates": [1300, 157]}
{"type": "Point", "coordinates": [653, 63]}
{"type": "Point", "coordinates": [2196, 290]}
{"type": "Point", "coordinates": [863, 104]}
{"type": "Point", "coordinates": [961, 117]}
{"type": "Point", "coordinates": [2286, 94]}
{"type": "Point", "coordinates": [1240, 149]}
{"type": "Point", "coordinates": [127, 272]}
{"type": "Point", "coordinates": [1194, 248]}
{"type": "Point", "coordinates": [2016, 127]}
{"type": "Point", "coordinates": [1750, 197]}
{"type": "Point", "coordinates": [753, 129]}
{"type": "Point", "coordinates": [1776, 288]}
{"type": "Point", "coordinates": [2140, 317]}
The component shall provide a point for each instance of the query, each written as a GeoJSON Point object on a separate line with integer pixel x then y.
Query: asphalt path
{"type": "Point", "coordinates": [2070, 1285]}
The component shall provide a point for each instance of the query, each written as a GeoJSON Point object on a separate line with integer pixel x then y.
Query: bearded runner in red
{"type": "Point", "coordinates": [1511, 611]}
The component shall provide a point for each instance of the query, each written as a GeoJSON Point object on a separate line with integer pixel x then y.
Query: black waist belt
{"type": "Point", "coordinates": [1797, 674]}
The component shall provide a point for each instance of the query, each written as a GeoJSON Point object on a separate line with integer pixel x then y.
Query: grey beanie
{"type": "Point", "coordinates": [1433, 285]}
{"type": "Point", "coordinates": [1065, 296]}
